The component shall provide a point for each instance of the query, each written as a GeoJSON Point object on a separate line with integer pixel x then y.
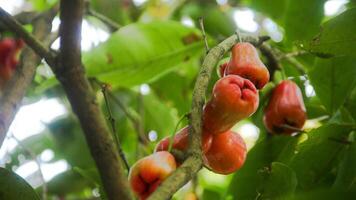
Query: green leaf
{"type": "Point", "coordinates": [13, 187]}
{"type": "Point", "coordinates": [70, 142]}
{"type": "Point", "coordinates": [325, 194]}
{"type": "Point", "coordinates": [333, 80]}
{"type": "Point", "coordinates": [337, 36]}
{"type": "Point", "coordinates": [213, 16]}
{"type": "Point", "coordinates": [350, 103]}
{"type": "Point", "coordinates": [178, 94]}
{"type": "Point", "coordinates": [342, 116]}
{"type": "Point", "coordinates": [279, 181]}
{"type": "Point", "coordinates": [41, 5]}
{"type": "Point", "coordinates": [303, 18]}
{"type": "Point", "coordinates": [158, 116]}
{"type": "Point", "coordinates": [246, 181]}
{"type": "Point", "coordinates": [66, 183]}
{"type": "Point", "coordinates": [139, 53]}
{"type": "Point", "coordinates": [272, 8]}
{"type": "Point", "coordinates": [316, 155]}
{"type": "Point", "coordinates": [314, 107]}
{"type": "Point", "coordinates": [209, 194]}
{"type": "Point", "coordinates": [346, 176]}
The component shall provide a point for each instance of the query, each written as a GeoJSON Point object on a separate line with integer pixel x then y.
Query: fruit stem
{"type": "Point", "coordinates": [171, 138]}
{"type": "Point", "coordinates": [201, 22]}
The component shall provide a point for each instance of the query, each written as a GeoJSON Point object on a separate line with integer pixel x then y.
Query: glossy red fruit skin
{"type": "Point", "coordinates": [233, 98]}
{"type": "Point", "coordinates": [181, 141]}
{"type": "Point", "coordinates": [147, 173]}
{"type": "Point", "coordinates": [286, 106]}
{"type": "Point", "coordinates": [246, 62]}
{"type": "Point", "coordinates": [222, 69]}
{"type": "Point", "coordinates": [9, 48]}
{"type": "Point", "coordinates": [226, 154]}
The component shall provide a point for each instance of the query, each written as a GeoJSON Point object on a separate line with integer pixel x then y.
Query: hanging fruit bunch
{"type": "Point", "coordinates": [234, 98]}
{"type": "Point", "coordinates": [9, 51]}
{"type": "Point", "coordinates": [285, 112]}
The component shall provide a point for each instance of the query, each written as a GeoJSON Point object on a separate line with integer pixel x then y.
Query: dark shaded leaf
{"type": "Point", "coordinates": [13, 187]}
{"type": "Point", "coordinates": [333, 80]}
{"type": "Point", "coordinates": [337, 36]}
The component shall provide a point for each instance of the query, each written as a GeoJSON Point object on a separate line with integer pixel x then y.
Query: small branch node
{"type": "Point", "coordinates": [201, 23]}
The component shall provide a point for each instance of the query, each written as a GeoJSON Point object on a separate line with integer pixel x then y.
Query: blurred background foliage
{"type": "Point", "coordinates": [151, 64]}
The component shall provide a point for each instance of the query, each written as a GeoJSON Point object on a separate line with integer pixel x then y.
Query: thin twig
{"type": "Point", "coordinates": [171, 139]}
{"type": "Point", "coordinates": [237, 32]}
{"type": "Point", "coordinates": [290, 59]}
{"type": "Point", "coordinates": [180, 156]}
{"type": "Point", "coordinates": [111, 119]}
{"type": "Point", "coordinates": [286, 126]}
{"type": "Point", "coordinates": [262, 39]}
{"type": "Point", "coordinates": [141, 112]}
{"type": "Point", "coordinates": [299, 66]}
{"type": "Point", "coordinates": [201, 22]}
{"type": "Point", "coordinates": [112, 25]}
{"type": "Point", "coordinates": [38, 162]}
{"type": "Point", "coordinates": [292, 54]}
{"type": "Point", "coordinates": [134, 118]}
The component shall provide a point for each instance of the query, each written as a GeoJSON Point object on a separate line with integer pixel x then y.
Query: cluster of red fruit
{"type": "Point", "coordinates": [234, 97]}
{"type": "Point", "coordinates": [9, 50]}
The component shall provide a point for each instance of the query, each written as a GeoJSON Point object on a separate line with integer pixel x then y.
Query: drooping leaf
{"type": "Point", "coordinates": [325, 194]}
{"type": "Point", "coordinates": [158, 116]}
{"type": "Point", "coordinates": [70, 142]}
{"type": "Point", "coordinates": [337, 36]}
{"type": "Point", "coordinates": [13, 187]}
{"type": "Point", "coordinates": [246, 181]}
{"type": "Point", "coordinates": [139, 52]}
{"type": "Point", "coordinates": [279, 181]}
{"type": "Point", "coordinates": [350, 103]}
{"type": "Point", "coordinates": [177, 95]}
{"type": "Point", "coordinates": [213, 16]}
{"type": "Point", "coordinates": [333, 80]}
{"type": "Point", "coordinates": [68, 182]}
{"type": "Point", "coordinates": [346, 175]}
{"type": "Point", "coordinates": [316, 155]}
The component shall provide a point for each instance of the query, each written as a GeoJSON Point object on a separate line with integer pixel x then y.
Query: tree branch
{"type": "Point", "coordinates": [30, 40]}
{"type": "Point", "coordinates": [70, 73]}
{"type": "Point", "coordinates": [15, 89]}
{"type": "Point", "coordinates": [194, 162]}
{"type": "Point", "coordinates": [23, 18]}
{"type": "Point", "coordinates": [272, 59]}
